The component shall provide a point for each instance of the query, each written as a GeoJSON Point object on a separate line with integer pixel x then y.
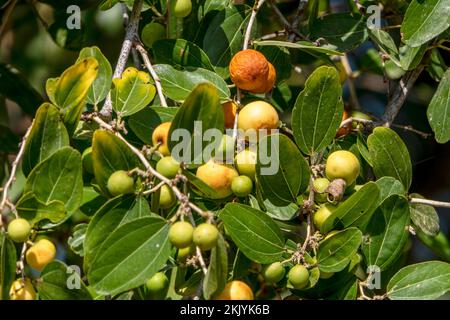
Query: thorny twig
{"type": "Point", "coordinates": [248, 31]}
{"type": "Point", "coordinates": [433, 203]}
{"type": "Point", "coordinates": [296, 21]}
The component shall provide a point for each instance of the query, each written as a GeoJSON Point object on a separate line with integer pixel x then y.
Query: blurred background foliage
{"type": "Point", "coordinates": [35, 45]}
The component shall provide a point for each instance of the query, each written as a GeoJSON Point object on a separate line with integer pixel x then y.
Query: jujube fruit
{"type": "Point", "coordinates": [344, 165]}
{"type": "Point", "coordinates": [229, 113]}
{"type": "Point", "coordinates": [158, 284]}
{"type": "Point", "coordinates": [242, 186]}
{"type": "Point", "coordinates": [152, 32]}
{"type": "Point", "coordinates": [321, 215]}
{"type": "Point", "coordinates": [180, 234]}
{"type": "Point", "coordinates": [161, 136]}
{"type": "Point", "coordinates": [206, 236]}
{"type": "Point", "coordinates": [298, 276]}
{"type": "Point", "coordinates": [120, 183]}
{"type": "Point", "coordinates": [274, 272]}
{"type": "Point", "coordinates": [218, 177]}
{"type": "Point", "coordinates": [320, 185]}
{"type": "Point", "coordinates": [236, 290]}
{"type": "Point", "coordinates": [181, 8]}
{"type": "Point", "coordinates": [19, 230]}
{"type": "Point", "coordinates": [167, 197]}
{"type": "Point", "coordinates": [184, 253]}
{"type": "Point", "coordinates": [250, 71]}
{"type": "Point", "coordinates": [225, 149]}
{"type": "Point", "coordinates": [40, 254]}
{"type": "Point", "coordinates": [257, 115]}
{"type": "Point", "coordinates": [22, 290]}
{"type": "Point", "coordinates": [168, 167]}
{"type": "Point", "coordinates": [245, 162]}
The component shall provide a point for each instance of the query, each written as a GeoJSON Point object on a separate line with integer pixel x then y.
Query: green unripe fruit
{"type": "Point", "coordinates": [120, 183]}
{"type": "Point", "coordinates": [180, 234]}
{"type": "Point", "coordinates": [168, 167]}
{"type": "Point", "coordinates": [245, 162]}
{"type": "Point", "coordinates": [152, 32]}
{"type": "Point", "coordinates": [242, 186]}
{"type": "Point", "coordinates": [298, 276]}
{"type": "Point", "coordinates": [274, 272]}
{"type": "Point", "coordinates": [225, 149]}
{"type": "Point", "coordinates": [19, 230]}
{"type": "Point", "coordinates": [344, 165]}
{"type": "Point", "coordinates": [181, 8]}
{"type": "Point", "coordinates": [167, 198]}
{"type": "Point", "coordinates": [320, 185]}
{"type": "Point", "coordinates": [157, 285]}
{"type": "Point", "coordinates": [322, 214]}
{"type": "Point", "coordinates": [87, 162]}
{"type": "Point", "coordinates": [184, 253]}
{"type": "Point", "coordinates": [205, 236]}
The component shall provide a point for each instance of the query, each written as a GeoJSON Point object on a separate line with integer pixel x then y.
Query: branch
{"type": "Point", "coordinates": [256, 6]}
{"type": "Point", "coordinates": [433, 203]}
{"type": "Point", "coordinates": [298, 15]}
{"type": "Point", "coordinates": [284, 21]}
{"type": "Point", "coordinates": [130, 36]}
{"type": "Point", "coordinates": [148, 65]}
{"type": "Point", "coordinates": [351, 84]}
{"type": "Point", "coordinates": [398, 97]}
{"type": "Point", "coordinates": [12, 175]}
{"type": "Point", "coordinates": [4, 20]}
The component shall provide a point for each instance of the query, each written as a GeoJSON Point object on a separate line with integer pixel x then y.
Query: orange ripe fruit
{"type": "Point", "coordinates": [218, 177]}
{"type": "Point", "coordinates": [270, 81]}
{"type": "Point", "coordinates": [236, 290]}
{"type": "Point", "coordinates": [249, 70]}
{"type": "Point", "coordinates": [229, 111]}
{"type": "Point", "coordinates": [343, 131]}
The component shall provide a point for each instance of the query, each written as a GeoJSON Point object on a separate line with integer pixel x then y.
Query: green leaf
{"type": "Point", "coordinates": [178, 84]}
{"type": "Point", "coordinates": [283, 175]}
{"type": "Point", "coordinates": [389, 186]}
{"type": "Point", "coordinates": [200, 109]}
{"type": "Point", "coordinates": [318, 110]}
{"type": "Point", "coordinates": [425, 20]}
{"type": "Point", "coordinates": [60, 282]}
{"type": "Point", "coordinates": [422, 281]}
{"type": "Point", "coordinates": [76, 240]}
{"type": "Point", "coordinates": [436, 65]}
{"type": "Point", "coordinates": [389, 156]}
{"type": "Point", "coordinates": [14, 86]}
{"type": "Point", "coordinates": [110, 154]}
{"type": "Point", "coordinates": [387, 232]}
{"type": "Point", "coordinates": [212, 5]}
{"type": "Point", "coordinates": [255, 233]}
{"type": "Point", "coordinates": [305, 46]}
{"type": "Point", "coordinates": [425, 217]}
{"type": "Point", "coordinates": [145, 121]}
{"type": "Point", "coordinates": [347, 292]}
{"type": "Point", "coordinates": [71, 89]}
{"type": "Point", "coordinates": [200, 186]}
{"type": "Point", "coordinates": [59, 177]}
{"type": "Point", "coordinates": [216, 277]}
{"type": "Point", "coordinates": [69, 39]}
{"type": "Point", "coordinates": [224, 36]}
{"type": "Point", "coordinates": [439, 244]}
{"type": "Point", "coordinates": [439, 110]}
{"type": "Point", "coordinates": [335, 253]}
{"type": "Point", "coordinates": [180, 53]}
{"type": "Point", "coordinates": [342, 31]}
{"type": "Point", "coordinates": [411, 57]}
{"type": "Point", "coordinates": [131, 255]}
{"type": "Point", "coordinates": [284, 213]}
{"type": "Point", "coordinates": [132, 92]}
{"type": "Point", "coordinates": [356, 211]}
{"type": "Point", "coordinates": [34, 210]}
{"type": "Point", "coordinates": [102, 84]}
{"type": "Point", "coordinates": [386, 44]}
{"type": "Point", "coordinates": [8, 258]}
{"type": "Point", "coordinates": [47, 135]}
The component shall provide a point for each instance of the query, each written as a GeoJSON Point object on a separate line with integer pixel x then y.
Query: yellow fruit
{"type": "Point", "coordinates": [168, 167]}
{"type": "Point", "coordinates": [257, 115]}
{"type": "Point", "coordinates": [40, 254]}
{"type": "Point", "coordinates": [180, 234]}
{"type": "Point", "coordinates": [236, 290]}
{"type": "Point", "coordinates": [152, 32]}
{"type": "Point", "coordinates": [249, 70]}
{"type": "Point", "coordinates": [344, 165]}
{"type": "Point", "coordinates": [245, 162]}
{"type": "Point", "coordinates": [229, 112]}
{"type": "Point", "coordinates": [161, 135]}
{"type": "Point", "coordinates": [181, 8]}
{"type": "Point", "coordinates": [298, 276]}
{"type": "Point", "coordinates": [322, 214]}
{"type": "Point", "coordinates": [22, 291]}
{"type": "Point", "coordinates": [19, 230]}
{"type": "Point", "coordinates": [218, 177]}
{"type": "Point", "coordinates": [167, 198]}
{"type": "Point", "coordinates": [120, 183]}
